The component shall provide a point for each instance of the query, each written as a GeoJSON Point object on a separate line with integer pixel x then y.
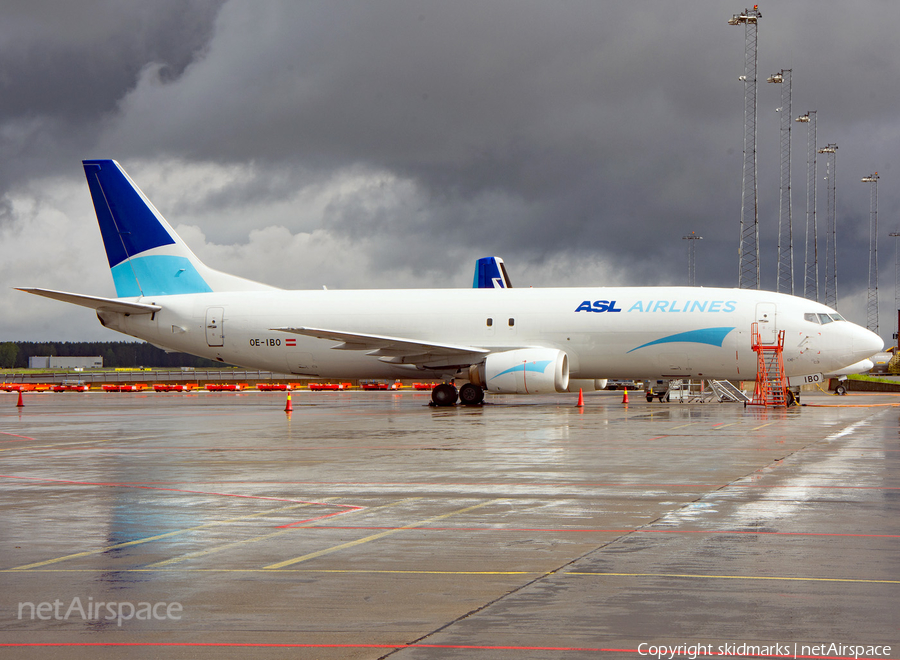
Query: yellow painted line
{"type": "Point", "coordinates": [58, 444]}
{"type": "Point", "coordinates": [685, 425]}
{"type": "Point", "coordinates": [757, 428]}
{"type": "Point", "coordinates": [374, 537]}
{"type": "Point", "coordinates": [255, 539]}
{"type": "Point", "coordinates": [98, 551]}
{"type": "Point", "coordinates": [732, 577]}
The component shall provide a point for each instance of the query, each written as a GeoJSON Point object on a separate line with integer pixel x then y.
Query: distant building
{"type": "Point", "coordinates": [60, 362]}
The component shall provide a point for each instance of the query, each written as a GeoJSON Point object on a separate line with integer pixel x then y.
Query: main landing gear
{"type": "Point", "coordinates": [446, 394]}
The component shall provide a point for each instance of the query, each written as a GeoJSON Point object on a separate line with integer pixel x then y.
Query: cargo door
{"type": "Point", "coordinates": [766, 322]}
{"type": "Point", "coordinates": [215, 330]}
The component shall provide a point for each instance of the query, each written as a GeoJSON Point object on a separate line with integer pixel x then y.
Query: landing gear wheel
{"type": "Point", "coordinates": [840, 390]}
{"type": "Point", "coordinates": [444, 395]}
{"type": "Point", "coordinates": [471, 395]}
{"type": "Point", "coordinates": [791, 398]}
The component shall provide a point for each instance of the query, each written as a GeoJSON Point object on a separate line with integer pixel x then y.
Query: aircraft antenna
{"type": "Point", "coordinates": [691, 238]}
{"type": "Point", "coordinates": [872, 299]}
{"type": "Point", "coordinates": [748, 274]}
{"type": "Point", "coordinates": [784, 280]}
{"type": "Point", "coordinates": [831, 229]}
{"type": "Point", "coordinates": [811, 247]}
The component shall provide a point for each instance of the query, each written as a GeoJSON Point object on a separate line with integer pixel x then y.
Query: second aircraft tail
{"type": "Point", "coordinates": [490, 273]}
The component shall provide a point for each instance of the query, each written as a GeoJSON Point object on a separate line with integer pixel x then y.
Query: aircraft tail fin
{"type": "Point", "coordinates": [490, 273]}
{"type": "Point", "coordinates": [146, 256]}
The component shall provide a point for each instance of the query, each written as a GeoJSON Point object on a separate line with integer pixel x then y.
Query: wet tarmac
{"type": "Point", "coordinates": [370, 525]}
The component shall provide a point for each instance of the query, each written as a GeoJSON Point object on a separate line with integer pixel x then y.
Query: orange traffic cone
{"type": "Point", "coordinates": [20, 404]}
{"type": "Point", "coordinates": [580, 403]}
{"type": "Point", "coordinates": [288, 407]}
{"type": "Point", "coordinates": [625, 395]}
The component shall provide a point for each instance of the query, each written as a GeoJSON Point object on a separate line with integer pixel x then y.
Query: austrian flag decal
{"type": "Point", "coordinates": [290, 342]}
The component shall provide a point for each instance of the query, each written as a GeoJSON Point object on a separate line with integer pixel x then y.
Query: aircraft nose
{"type": "Point", "coordinates": [866, 343]}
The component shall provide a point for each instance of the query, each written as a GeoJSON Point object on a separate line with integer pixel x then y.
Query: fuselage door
{"type": "Point", "coordinates": [765, 319]}
{"type": "Point", "coordinates": [215, 326]}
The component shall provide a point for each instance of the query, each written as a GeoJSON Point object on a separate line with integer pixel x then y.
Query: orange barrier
{"type": "Point", "coordinates": [270, 387]}
{"type": "Point", "coordinates": [318, 387]}
{"type": "Point", "coordinates": [123, 388]}
{"type": "Point", "coordinates": [69, 388]}
{"type": "Point", "coordinates": [164, 387]}
{"type": "Point", "coordinates": [230, 387]}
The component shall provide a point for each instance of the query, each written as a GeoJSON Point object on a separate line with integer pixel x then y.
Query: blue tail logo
{"type": "Point", "coordinates": [490, 273]}
{"type": "Point", "coordinates": [144, 256]}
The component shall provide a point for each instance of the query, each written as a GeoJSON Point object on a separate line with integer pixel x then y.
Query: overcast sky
{"type": "Point", "coordinates": [390, 144]}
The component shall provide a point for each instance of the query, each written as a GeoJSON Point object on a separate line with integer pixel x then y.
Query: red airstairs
{"type": "Point", "coordinates": [771, 384]}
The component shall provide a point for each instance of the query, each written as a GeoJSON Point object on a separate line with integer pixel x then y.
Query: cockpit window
{"type": "Point", "coordinates": [812, 318]}
{"type": "Point", "coordinates": [837, 317]}
{"type": "Point", "coordinates": [825, 318]}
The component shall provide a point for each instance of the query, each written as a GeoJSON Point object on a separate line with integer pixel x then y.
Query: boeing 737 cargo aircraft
{"type": "Point", "coordinates": [527, 341]}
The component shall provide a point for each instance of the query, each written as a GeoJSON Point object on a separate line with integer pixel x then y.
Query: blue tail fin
{"type": "Point", "coordinates": [490, 273]}
{"type": "Point", "coordinates": [146, 256]}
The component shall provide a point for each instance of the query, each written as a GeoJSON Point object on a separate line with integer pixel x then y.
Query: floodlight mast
{"type": "Point", "coordinates": [748, 273]}
{"type": "Point", "coordinates": [831, 231]}
{"type": "Point", "coordinates": [691, 238]}
{"type": "Point", "coordinates": [895, 234]}
{"type": "Point", "coordinates": [872, 298]}
{"type": "Point", "coordinates": [811, 247]}
{"type": "Point", "coordinates": [784, 280]}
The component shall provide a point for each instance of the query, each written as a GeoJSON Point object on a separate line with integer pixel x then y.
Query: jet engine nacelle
{"type": "Point", "coordinates": [588, 385]}
{"type": "Point", "coordinates": [525, 371]}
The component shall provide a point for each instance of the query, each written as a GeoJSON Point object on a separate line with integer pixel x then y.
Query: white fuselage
{"type": "Point", "coordinates": [646, 332]}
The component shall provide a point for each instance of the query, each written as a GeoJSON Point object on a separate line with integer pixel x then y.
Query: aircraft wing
{"type": "Point", "coordinates": [397, 350]}
{"type": "Point", "coordinates": [95, 302]}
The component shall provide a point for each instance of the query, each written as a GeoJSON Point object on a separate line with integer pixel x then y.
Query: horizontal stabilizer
{"type": "Point", "coordinates": [95, 302]}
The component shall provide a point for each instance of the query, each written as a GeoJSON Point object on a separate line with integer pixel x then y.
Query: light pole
{"type": "Point", "coordinates": [811, 248]}
{"type": "Point", "coordinates": [691, 238]}
{"type": "Point", "coordinates": [748, 272]}
{"type": "Point", "coordinates": [872, 299]}
{"type": "Point", "coordinates": [895, 234]}
{"type": "Point", "coordinates": [831, 232]}
{"type": "Point", "coordinates": [784, 280]}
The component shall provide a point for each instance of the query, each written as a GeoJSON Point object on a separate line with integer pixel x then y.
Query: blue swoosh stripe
{"type": "Point", "coordinates": [711, 336]}
{"type": "Point", "coordinates": [540, 366]}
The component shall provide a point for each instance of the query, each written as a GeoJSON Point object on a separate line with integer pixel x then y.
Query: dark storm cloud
{"type": "Point", "coordinates": [580, 133]}
{"type": "Point", "coordinates": [572, 114]}
{"type": "Point", "coordinates": [66, 65]}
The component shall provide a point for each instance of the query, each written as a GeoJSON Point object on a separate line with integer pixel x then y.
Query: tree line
{"type": "Point", "coordinates": [15, 354]}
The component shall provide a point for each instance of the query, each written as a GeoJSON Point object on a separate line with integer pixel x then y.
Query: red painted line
{"type": "Point", "coordinates": [470, 647]}
{"type": "Point", "coordinates": [612, 531]}
{"type": "Point", "coordinates": [432, 484]}
{"type": "Point", "coordinates": [327, 515]}
{"type": "Point", "coordinates": [314, 646]}
{"type": "Point", "coordinates": [24, 438]}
